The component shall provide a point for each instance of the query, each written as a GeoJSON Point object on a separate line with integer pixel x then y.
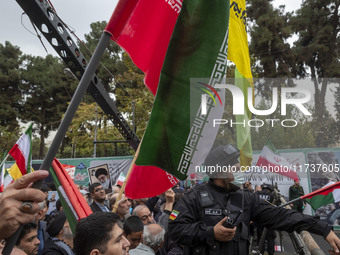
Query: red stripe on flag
{"type": "Point", "coordinates": [120, 17]}
{"type": "Point", "coordinates": [148, 181]}
{"type": "Point", "coordinates": [143, 29]}
{"type": "Point", "coordinates": [77, 200]}
{"type": "Point", "coordinates": [270, 166]}
{"type": "Point", "coordinates": [19, 158]}
{"type": "Point", "coordinates": [323, 191]}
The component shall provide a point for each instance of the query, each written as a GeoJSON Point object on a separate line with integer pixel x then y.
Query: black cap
{"type": "Point", "coordinates": [100, 171]}
{"type": "Point", "coordinates": [56, 224]}
{"type": "Point", "coordinates": [267, 186]}
{"type": "Point", "coordinates": [223, 155]}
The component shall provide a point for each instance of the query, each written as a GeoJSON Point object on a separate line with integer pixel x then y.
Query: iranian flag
{"type": "Point", "coordinates": [74, 204]}
{"type": "Point", "coordinates": [328, 194]}
{"type": "Point", "coordinates": [178, 136]}
{"type": "Point", "coordinates": [22, 152]}
{"type": "Point", "coordinates": [121, 179]}
{"type": "Point", "coordinates": [271, 160]}
{"type": "Point", "coordinates": [5, 177]}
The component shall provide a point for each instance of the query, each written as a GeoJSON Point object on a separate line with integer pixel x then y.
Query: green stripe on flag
{"type": "Point", "coordinates": [67, 210]}
{"type": "Point", "coordinates": [200, 32]}
{"type": "Point", "coordinates": [271, 146]}
{"type": "Point", "coordinates": [29, 161]}
{"type": "Point", "coordinates": [320, 200]}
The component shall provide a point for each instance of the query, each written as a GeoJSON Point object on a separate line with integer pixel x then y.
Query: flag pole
{"type": "Point", "coordinates": [66, 121]}
{"type": "Point", "coordinates": [114, 209]}
{"type": "Point", "coordinates": [316, 192]}
{"type": "Point", "coordinates": [291, 201]}
{"type": "Point", "coordinates": [76, 99]}
{"type": "Point", "coordinates": [2, 162]}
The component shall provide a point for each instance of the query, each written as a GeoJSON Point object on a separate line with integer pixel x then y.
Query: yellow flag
{"type": "Point", "coordinates": [238, 52]}
{"type": "Point", "coordinates": [14, 171]}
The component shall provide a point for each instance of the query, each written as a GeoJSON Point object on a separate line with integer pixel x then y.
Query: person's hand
{"type": "Point", "coordinates": [334, 242]}
{"type": "Point", "coordinates": [223, 234]}
{"type": "Point", "coordinates": [170, 196]}
{"type": "Point", "coordinates": [11, 201]}
{"type": "Point", "coordinates": [169, 199]}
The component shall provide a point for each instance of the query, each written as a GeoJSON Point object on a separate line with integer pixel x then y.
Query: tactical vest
{"type": "Point", "coordinates": [211, 212]}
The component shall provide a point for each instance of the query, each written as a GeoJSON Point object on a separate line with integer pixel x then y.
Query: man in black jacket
{"type": "Point", "coordinates": [213, 218]}
{"type": "Point", "coordinates": [266, 194]}
{"type": "Point", "coordinates": [61, 237]}
{"type": "Point", "coordinates": [98, 195]}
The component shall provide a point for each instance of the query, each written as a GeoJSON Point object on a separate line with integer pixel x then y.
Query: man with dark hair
{"type": "Point", "coordinates": [98, 195]}
{"type": "Point", "coordinates": [99, 233]}
{"type": "Point", "coordinates": [248, 186]}
{"type": "Point", "coordinates": [104, 179]}
{"type": "Point", "coordinates": [28, 240]}
{"type": "Point", "coordinates": [133, 230]}
{"type": "Point", "coordinates": [61, 237]}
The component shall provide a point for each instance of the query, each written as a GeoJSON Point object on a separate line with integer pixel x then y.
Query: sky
{"type": "Point", "coordinates": [78, 14]}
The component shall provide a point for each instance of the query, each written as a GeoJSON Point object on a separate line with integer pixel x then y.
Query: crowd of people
{"type": "Point", "coordinates": [216, 217]}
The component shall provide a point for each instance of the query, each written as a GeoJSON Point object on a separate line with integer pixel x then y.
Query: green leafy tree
{"type": "Point", "coordinates": [35, 148]}
{"type": "Point", "coordinates": [121, 77]}
{"type": "Point", "coordinates": [47, 90]}
{"type": "Point", "coordinates": [317, 24]}
{"type": "Point", "coordinates": [271, 53]}
{"type": "Point", "coordinates": [111, 61]}
{"type": "Point", "coordinates": [81, 135]}
{"type": "Point", "coordinates": [282, 136]}
{"type": "Point", "coordinates": [10, 94]}
{"type": "Point", "coordinates": [130, 89]}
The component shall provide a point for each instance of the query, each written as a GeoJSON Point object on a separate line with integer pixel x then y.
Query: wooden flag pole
{"type": "Point", "coordinates": [114, 209]}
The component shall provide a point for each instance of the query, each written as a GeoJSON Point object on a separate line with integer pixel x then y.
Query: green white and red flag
{"type": "Point", "coordinates": [121, 179]}
{"type": "Point", "coordinates": [5, 177]}
{"type": "Point", "coordinates": [198, 48]}
{"type": "Point", "coordinates": [74, 204]}
{"type": "Point", "coordinates": [271, 160]}
{"type": "Point", "coordinates": [143, 28]}
{"type": "Point", "coordinates": [173, 141]}
{"type": "Point", "coordinates": [22, 152]}
{"type": "Point", "coordinates": [330, 193]}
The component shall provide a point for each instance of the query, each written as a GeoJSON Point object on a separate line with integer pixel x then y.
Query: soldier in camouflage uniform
{"type": "Point", "coordinates": [296, 191]}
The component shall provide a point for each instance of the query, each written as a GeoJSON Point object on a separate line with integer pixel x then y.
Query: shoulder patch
{"type": "Point", "coordinates": [173, 215]}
